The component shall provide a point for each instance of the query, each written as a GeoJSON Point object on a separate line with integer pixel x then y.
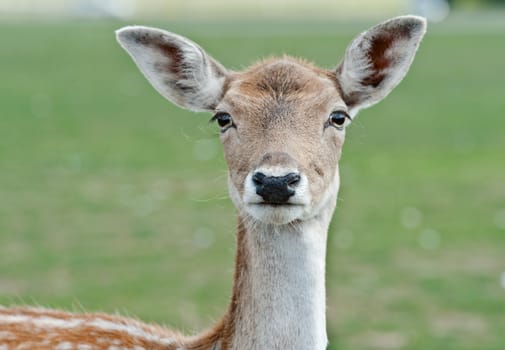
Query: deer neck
{"type": "Point", "coordinates": [279, 298]}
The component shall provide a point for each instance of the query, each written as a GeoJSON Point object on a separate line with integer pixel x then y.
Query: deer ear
{"type": "Point", "coordinates": [378, 59]}
{"type": "Point", "coordinates": [175, 66]}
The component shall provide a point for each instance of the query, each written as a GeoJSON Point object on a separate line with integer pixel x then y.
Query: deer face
{"type": "Point", "coordinates": [282, 128]}
{"type": "Point", "coordinates": [282, 121]}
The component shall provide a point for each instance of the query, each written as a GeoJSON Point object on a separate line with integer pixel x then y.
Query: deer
{"type": "Point", "coordinates": [282, 126]}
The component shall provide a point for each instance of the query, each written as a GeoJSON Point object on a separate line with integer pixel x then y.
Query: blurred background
{"type": "Point", "coordinates": [113, 199]}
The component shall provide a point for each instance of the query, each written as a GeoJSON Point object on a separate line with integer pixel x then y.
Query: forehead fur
{"type": "Point", "coordinates": [281, 78]}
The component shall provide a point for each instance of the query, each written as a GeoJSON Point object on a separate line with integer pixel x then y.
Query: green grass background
{"type": "Point", "coordinates": [112, 199]}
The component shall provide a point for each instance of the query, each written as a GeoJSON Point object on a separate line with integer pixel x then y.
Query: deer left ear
{"type": "Point", "coordinates": [176, 67]}
{"type": "Point", "coordinates": [378, 59]}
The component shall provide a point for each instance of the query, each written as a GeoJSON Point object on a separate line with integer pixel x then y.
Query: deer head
{"type": "Point", "coordinates": [282, 121]}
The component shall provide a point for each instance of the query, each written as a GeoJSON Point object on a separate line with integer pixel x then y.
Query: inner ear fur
{"type": "Point", "coordinates": [378, 59]}
{"type": "Point", "coordinates": [176, 67]}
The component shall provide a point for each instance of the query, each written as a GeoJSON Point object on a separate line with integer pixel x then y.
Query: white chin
{"type": "Point", "coordinates": [275, 214]}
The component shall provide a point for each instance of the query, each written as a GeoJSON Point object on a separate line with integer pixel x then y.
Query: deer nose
{"type": "Point", "coordinates": [275, 189]}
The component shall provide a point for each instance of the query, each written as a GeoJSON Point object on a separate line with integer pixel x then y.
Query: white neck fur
{"type": "Point", "coordinates": [282, 301]}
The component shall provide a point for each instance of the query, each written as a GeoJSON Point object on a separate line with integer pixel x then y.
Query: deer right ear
{"type": "Point", "coordinates": [378, 59]}
{"type": "Point", "coordinates": [175, 66]}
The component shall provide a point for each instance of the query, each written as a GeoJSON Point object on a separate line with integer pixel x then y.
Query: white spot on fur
{"type": "Point", "coordinates": [84, 347]}
{"type": "Point", "coordinates": [4, 347]}
{"type": "Point", "coordinates": [41, 322]}
{"type": "Point", "coordinates": [64, 346]}
{"type": "Point", "coordinates": [13, 319]}
{"type": "Point", "coordinates": [7, 335]}
{"type": "Point", "coordinates": [132, 330]}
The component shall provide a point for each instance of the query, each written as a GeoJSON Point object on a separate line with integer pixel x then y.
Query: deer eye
{"type": "Point", "coordinates": [339, 119]}
{"type": "Point", "coordinates": [223, 120]}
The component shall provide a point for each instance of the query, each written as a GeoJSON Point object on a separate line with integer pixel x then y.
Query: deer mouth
{"type": "Point", "coordinates": [275, 213]}
{"type": "Point", "coordinates": [277, 205]}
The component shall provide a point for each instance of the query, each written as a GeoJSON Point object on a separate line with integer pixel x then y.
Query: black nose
{"type": "Point", "coordinates": [275, 189]}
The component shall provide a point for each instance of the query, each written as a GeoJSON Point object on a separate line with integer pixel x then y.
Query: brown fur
{"type": "Point", "coordinates": [275, 105]}
{"type": "Point", "coordinates": [14, 335]}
